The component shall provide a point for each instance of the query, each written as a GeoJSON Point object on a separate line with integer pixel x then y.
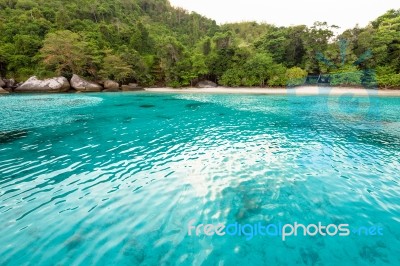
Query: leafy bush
{"type": "Point", "coordinates": [387, 78]}
{"type": "Point", "coordinates": [295, 76]}
{"type": "Point", "coordinates": [231, 77]}
{"type": "Point", "coordinates": [277, 76]}
{"type": "Point", "coordinates": [346, 76]}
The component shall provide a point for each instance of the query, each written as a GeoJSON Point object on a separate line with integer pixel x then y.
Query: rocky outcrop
{"type": "Point", "coordinates": [7, 84]}
{"type": "Point", "coordinates": [206, 84]}
{"type": "Point", "coordinates": [131, 87]}
{"type": "Point", "coordinates": [33, 84]}
{"type": "Point", "coordinates": [10, 84]}
{"type": "Point", "coordinates": [3, 86]}
{"type": "Point", "coordinates": [82, 85]}
{"type": "Point", "coordinates": [111, 86]}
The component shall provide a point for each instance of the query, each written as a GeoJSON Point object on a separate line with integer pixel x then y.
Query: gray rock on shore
{"type": "Point", "coordinates": [33, 84]}
{"type": "Point", "coordinates": [82, 85]}
{"type": "Point", "coordinates": [3, 91]}
{"type": "Point", "coordinates": [111, 86]}
{"type": "Point", "coordinates": [10, 83]}
{"type": "Point", "coordinates": [206, 84]}
{"type": "Point", "coordinates": [131, 87]}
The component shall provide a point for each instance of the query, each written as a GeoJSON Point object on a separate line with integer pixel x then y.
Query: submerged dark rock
{"type": "Point", "coordinates": [171, 99]}
{"type": "Point", "coordinates": [164, 117]}
{"type": "Point", "coordinates": [147, 106]}
{"type": "Point", "coordinates": [309, 256]}
{"type": "Point", "coordinates": [123, 104]}
{"type": "Point", "coordinates": [74, 242]}
{"type": "Point", "coordinates": [194, 105]}
{"type": "Point", "coordinates": [374, 254]}
{"type": "Point", "coordinates": [10, 136]}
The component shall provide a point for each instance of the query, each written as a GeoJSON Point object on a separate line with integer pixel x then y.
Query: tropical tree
{"type": "Point", "coordinates": [66, 53]}
{"type": "Point", "coordinates": [115, 68]}
{"type": "Point", "coordinates": [258, 69]}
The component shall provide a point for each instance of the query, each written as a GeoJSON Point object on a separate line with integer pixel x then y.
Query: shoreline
{"type": "Point", "coordinates": [297, 91]}
{"type": "Point", "coordinates": [301, 91]}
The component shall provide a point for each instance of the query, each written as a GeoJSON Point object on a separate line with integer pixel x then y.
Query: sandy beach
{"type": "Point", "coordinates": [306, 90]}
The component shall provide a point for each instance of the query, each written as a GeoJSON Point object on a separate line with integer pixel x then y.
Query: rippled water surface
{"type": "Point", "coordinates": [113, 179]}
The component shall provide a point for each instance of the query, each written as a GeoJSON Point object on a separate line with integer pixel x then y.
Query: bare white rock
{"type": "Point", "coordinates": [33, 84]}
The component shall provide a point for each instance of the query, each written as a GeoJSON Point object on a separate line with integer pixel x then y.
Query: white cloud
{"type": "Point", "coordinates": [345, 14]}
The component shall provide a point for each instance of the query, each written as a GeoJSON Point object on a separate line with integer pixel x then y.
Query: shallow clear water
{"type": "Point", "coordinates": [114, 179]}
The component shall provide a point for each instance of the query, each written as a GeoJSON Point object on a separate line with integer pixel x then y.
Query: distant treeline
{"type": "Point", "coordinates": [152, 43]}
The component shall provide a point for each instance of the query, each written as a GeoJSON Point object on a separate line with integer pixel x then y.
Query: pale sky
{"type": "Point", "coordinates": [345, 14]}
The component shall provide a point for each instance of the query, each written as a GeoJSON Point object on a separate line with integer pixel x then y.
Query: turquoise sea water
{"type": "Point", "coordinates": [114, 179]}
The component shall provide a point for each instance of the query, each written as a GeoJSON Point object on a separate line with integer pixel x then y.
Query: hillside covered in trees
{"type": "Point", "coordinates": [152, 43]}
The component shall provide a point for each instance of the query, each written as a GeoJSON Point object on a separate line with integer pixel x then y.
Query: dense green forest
{"type": "Point", "coordinates": [152, 43]}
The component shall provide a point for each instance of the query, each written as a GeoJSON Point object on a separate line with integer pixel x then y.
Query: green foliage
{"type": "Point", "coordinates": [387, 78]}
{"type": "Point", "coordinates": [26, 4]}
{"type": "Point", "coordinates": [140, 40]}
{"type": "Point", "coordinates": [232, 77]}
{"type": "Point", "coordinates": [277, 77]}
{"type": "Point", "coordinates": [346, 76]}
{"type": "Point", "coordinates": [174, 61]}
{"type": "Point", "coordinates": [258, 69]}
{"type": "Point", "coordinates": [295, 76]}
{"type": "Point", "coordinates": [65, 53]}
{"type": "Point", "coordinates": [43, 37]}
{"type": "Point", "coordinates": [115, 68]}
{"type": "Point", "coordinates": [316, 42]}
{"type": "Point", "coordinates": [275, 43]}
{"type": "Point", "coordinates": [151, 42]}
{"type": "Point", "coordinates": [140, 65]}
